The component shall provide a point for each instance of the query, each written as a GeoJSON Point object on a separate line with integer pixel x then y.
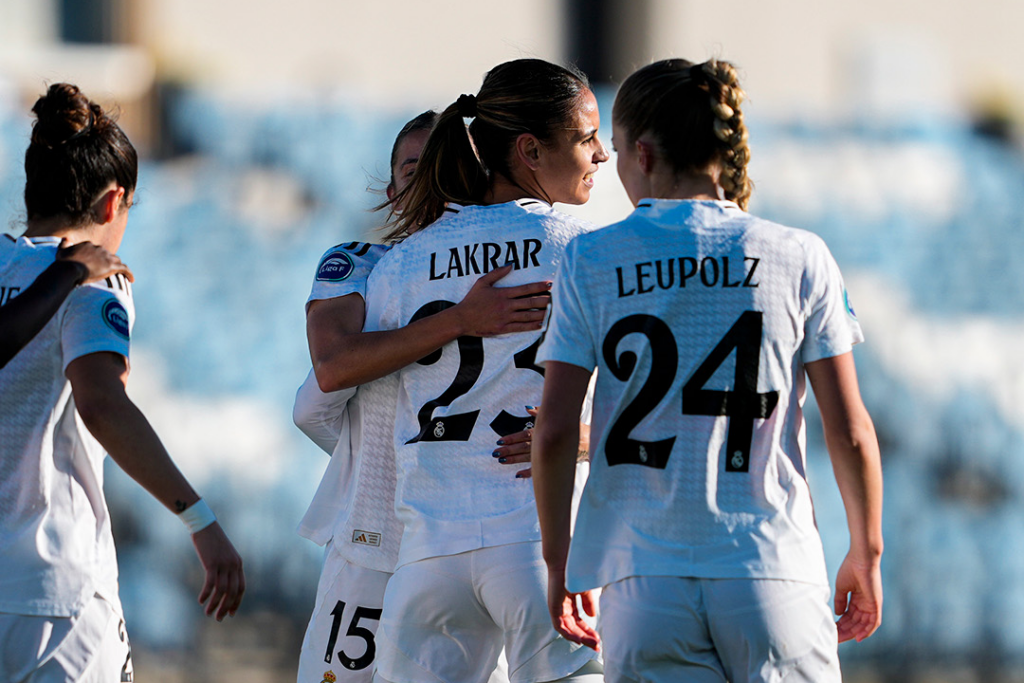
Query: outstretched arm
{"type": "Point", "coordinates": [25, 315]}
{"type": "Point", "coordinates": [344, 356]}
{"type": "Point", "coordinates": [98, 384]}
{"type": "Point", "coordinates": [555, 447]}
{"type": "Point", "coordinates": [853, 447]}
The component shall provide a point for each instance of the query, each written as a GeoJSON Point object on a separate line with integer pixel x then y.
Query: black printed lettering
{"type": "Point", "coordinates": [684, 272]}
{"type": "Point", "coordinates": [703, 271]}
{"type": "Point", "coordinates": [622, 292]}
{"type": "Point", "coordinates": [640, 275]}
{"type": "Point", "coordinates": [747, 282]}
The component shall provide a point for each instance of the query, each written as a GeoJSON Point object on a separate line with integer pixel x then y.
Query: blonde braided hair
{"type": "Point", "coordinates": [693, 113]}
{"type": "Point", "coordinates": [730, 129]}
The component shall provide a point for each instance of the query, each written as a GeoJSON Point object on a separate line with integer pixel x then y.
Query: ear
{"type": "Point", "coordinates": [528, 150]}
{"type": "Point", "coordinates": [645, 156]}
{"type": "Point", "coordinates": [109, 204]}
{"type": "Point", "coordinates": [390, 191]}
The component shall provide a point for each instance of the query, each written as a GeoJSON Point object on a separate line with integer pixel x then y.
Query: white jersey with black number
{"type": "Point", "coordinates": [56, 549]}
{"type": "Point", "coordinates": [355, 502]}
{"type": "Point", "coordinates": [699, 318]}
{"type": "Point", "coordinates": [455, 404]}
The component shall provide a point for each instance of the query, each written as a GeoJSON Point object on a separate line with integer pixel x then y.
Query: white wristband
{"type": "Point", "coordinates": [197, 517]}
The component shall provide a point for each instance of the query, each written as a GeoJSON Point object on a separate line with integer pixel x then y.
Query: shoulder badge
{"type": "Point", "coordinates": [849, 306]}
{"type": "Point", "coordinates": [335, 267]}
{"type": "Point", "coordinates": [116, 317]}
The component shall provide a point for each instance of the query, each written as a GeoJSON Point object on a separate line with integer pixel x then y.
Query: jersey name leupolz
{"type": "Point", "coordinates": [480, 258]}
{"type": "Point", "coordinates": [710, 271]}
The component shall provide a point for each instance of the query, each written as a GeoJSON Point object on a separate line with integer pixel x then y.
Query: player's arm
{"type": "Point", "coordinates": [853, 448]}
{"type": "Point", "coordinates": [320, 415]}
{"type": "Point", "coordinates": [25, 315]}
{"type": "Point", "coordinates": [343, 356]}
{"type": "Point", "coordinates": [555, 447]}
{"type": "Point", "coordinates": [98, 385]}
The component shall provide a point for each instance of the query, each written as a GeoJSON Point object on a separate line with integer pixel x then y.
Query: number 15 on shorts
{"type": "Point", "coordinates": [366, 652]}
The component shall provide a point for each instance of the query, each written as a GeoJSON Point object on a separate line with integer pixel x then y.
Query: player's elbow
{"type": "Point", "coordinates": [328, 381]}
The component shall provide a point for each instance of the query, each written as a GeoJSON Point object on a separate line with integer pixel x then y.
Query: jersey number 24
{"type": "Point", "coordinates": [742, 405]}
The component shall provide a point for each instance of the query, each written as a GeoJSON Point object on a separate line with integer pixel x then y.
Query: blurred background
{"type": "Point", "coordinates": [891, 129]}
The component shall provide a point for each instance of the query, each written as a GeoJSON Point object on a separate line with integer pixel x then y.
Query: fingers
{"type": "Point", "coordinates": [225, 581]}
{"type": "Point", "coordinates": [495, 275]}
{"type": "Point", "coordinates": [527, 303]}
{"type": "Point", "coordinates": [530, 289]}
{"type": "Point", "coordinates": [208, 586]}
{"type": "Point", "coordinates": [857, 625]}
{"type": "Point", "coordinates": [219, 593]}
{"type": "Point", "coordinates": [588, 603]}
{"type": "Point", "coordinates": [841, 601]}
{"type": "Point", "coordinates": [573, 628]}
{"type": "Point", "coordinates": [509, 328]}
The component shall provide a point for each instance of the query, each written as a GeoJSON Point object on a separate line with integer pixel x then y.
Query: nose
{"type": "Point", "coordinates": [601, 155]}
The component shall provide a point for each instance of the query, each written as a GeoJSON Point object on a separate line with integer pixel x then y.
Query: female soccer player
{"type": "Point", "coordinates": [24, 313]}
{"type": "Point", "coordinates": [62, 402]}
{"type": "Point", "coordinates": [353, 511]}
{"type": "Point", "coordinates": [470, 577]}
{"type": "Point", "coordinates": [702, 321]}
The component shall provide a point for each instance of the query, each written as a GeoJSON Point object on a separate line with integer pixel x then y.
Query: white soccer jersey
{"type": "Point", "coordinates": [454, 404]}
{"type": "Point", "coordinates": [699, 318]}
{"type": "Point", "coordinates": [355, 502]}
{"type": "Point", "coordinates": [56, 549]}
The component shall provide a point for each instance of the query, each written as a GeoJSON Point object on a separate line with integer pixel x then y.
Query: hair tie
{"type": "Point", "coordinates": [697, 72]}
{"type": "Point", "coordinates": [84, 130]}
{"type": "Point", "coordinates": [466, 105]}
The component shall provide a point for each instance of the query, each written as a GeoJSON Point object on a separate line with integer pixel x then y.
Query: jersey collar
{"type": "Point", "coordinates": [711, 211]}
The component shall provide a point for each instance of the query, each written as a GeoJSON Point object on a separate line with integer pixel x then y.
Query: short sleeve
{"type": "Point", "coordinates": [568, 339]}
{"type": "Point", "coordinates": [344, 269]}
{"type": "Point", "coordinates": [831, 328]}
{"type": "Point", "coordinates": [382, 309]}
{"type": "Point", "coordinates": [96, 318]}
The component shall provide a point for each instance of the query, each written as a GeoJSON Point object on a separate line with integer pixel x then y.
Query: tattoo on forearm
{"type": "Point", "coordinates": [180, 505]}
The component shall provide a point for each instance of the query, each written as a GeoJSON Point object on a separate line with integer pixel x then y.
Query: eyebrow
{"type": "Point", "coordinates": [410, 160]}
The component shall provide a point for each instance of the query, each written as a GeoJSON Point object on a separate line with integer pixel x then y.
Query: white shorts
{"type": "Point", "coordinates": [90, 647]}
{"type": "Point", "coordinates": [446, 619]}
{"type": "Point", "coordinates": [339, 643]}
{"type": "Point", "coordinates": [665, 629]}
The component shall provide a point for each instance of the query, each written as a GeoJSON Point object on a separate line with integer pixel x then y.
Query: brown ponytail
{"type": "Point", "coordinates": [693, 113]}
{"type": "Point", "coordinates": [458, 164]}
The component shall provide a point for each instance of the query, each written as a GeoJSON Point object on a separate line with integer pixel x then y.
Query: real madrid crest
{"type": "Point", "coordinates": [329, 677]}
{"type": "Point", "coordinates": [738, 459]}
{"type": "Point", "coordinates": [439, 429]}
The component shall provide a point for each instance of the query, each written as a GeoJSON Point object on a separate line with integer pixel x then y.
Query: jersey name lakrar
{"type": "Point", "coordinates": [455, 404]}
{"type": "Point", "coordinates": [56, 549]}
{"type": "Point", "coordinates": [358, 515]}
{"type": "Point", "coordinates": [699, 318]}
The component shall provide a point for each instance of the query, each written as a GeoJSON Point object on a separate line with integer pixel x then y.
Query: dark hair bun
{"type": "Point", "coordinates": [63, 114]}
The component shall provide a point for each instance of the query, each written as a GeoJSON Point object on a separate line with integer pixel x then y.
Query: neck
{"type": "Point", "coordinates": [696, 186]}
{"type": "Point", "coordinates": [507, 190]}
{"type": "Point", "coordinates": [57, 227]}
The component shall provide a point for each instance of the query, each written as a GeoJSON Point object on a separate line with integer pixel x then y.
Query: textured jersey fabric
{"type": "Point", "coordinates": [56, 549]}
{"type": "Point", "coordinates": [355, 502]}
{"type": "Point", "coordinates": [699, 318]}
{"type": "Point", "coordinates": [455, 404]}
